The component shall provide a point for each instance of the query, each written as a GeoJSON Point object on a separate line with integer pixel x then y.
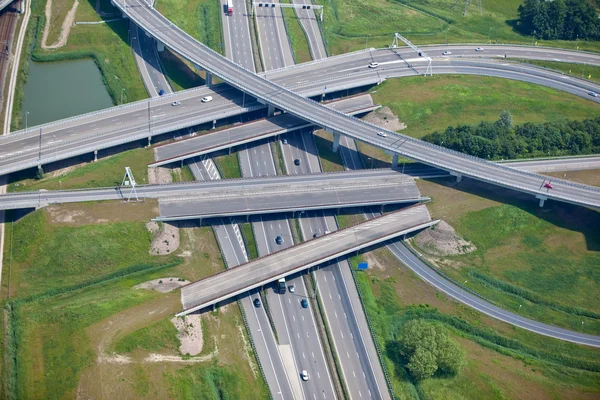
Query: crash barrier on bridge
{"type": "Point", "coordinates": [372, 331]}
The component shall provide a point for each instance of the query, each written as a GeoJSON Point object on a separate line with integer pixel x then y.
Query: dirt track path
{"type": "Point", "coordinates": [64, 30]}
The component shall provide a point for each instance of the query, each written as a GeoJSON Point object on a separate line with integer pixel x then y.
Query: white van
{"type": "Point", "coordinates": [206, 99]}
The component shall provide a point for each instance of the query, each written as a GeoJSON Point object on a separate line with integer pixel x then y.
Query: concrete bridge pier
{"type": "Point", "coordinates": [149, 141]}
{"type": "Point", "coordinates": [208, 78]}
{"type": "Point", "coordinates": [95, 155]}
{"type": "Point", "coordinates": [457, 175]}
{"type": "Point", "coordinates": [395, 161]}
{"type": "Point", "coordinates": [214, 123]}
{"type": "Point", "coordinates": [160, 46]}
{"type": "Point", "coordinates": [336, 141]}
{"type": "Point", "coordinates": [542, 199]}
{"type": "Point", "coordinates": [270, 110]}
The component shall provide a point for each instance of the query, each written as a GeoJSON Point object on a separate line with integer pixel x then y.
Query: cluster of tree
{"type": "Point", "coordinates": [429, 350]}
{"type": "Point", "coordinates": [500, 140]}
{"type": "Point", "coordinates": [559, 19]}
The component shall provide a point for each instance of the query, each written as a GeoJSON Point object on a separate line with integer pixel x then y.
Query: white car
{"type": "Point", "coordinates": [479, 49]}
{"type": "Point", "coordinates": [446, 53]}
{"type": "Point", "coordinates": [292, 289]}
{"type": "Point", "coordinates": [175, 103]}
{"type": "Point", "coordinates": [206, 99]}
{"type": "Point", "coordinates": [304, 375]}
{"type": "Point", "coordinates": [593, 94]}
{"type": "Point", "coordinates": [382, 134]}
{"type": "Point", "coordinates": [374, 64]}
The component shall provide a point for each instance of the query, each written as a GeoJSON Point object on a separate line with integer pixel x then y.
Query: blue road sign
{"type": "Point", "coordinates": [363, 265]}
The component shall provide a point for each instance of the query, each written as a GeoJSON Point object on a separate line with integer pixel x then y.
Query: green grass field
{"type": "Point", "coordinates": [393, 295]}
{"type": "Point", "coordinates": [353, 25]}
{"type": "Point", "coordinates": [434, 103]}
{"type": "Point", "coordinates": [73, 301]}
{"type": "Point", "coordinates": [248, 234]}
{"type": "Point", "coordinates": [540, 263]}
{"type": "Point", "coordinates": [199, 18]}
{"type": "Point", "coordinates": [297, 36]}
{"type": "Point", "coordinates": [103, 173]}
{"type": "Point", "coordinates": [229, 166]}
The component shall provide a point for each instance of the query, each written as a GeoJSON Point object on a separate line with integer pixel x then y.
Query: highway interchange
{"type": "Point", "coordinates": [254, 164]}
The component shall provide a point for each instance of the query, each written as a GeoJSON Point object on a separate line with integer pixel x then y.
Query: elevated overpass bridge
{"type": "Point", "coordinates": [276, 96]}
{"type": "Point", "coordinates": [234, 281]}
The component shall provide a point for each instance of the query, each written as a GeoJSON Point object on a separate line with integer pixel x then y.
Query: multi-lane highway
{"type": "Point", "coordinates": [249, 132]}
{"type": "Point", "coordinates": [291, 198]}
{"type": "Point", "coordinates": [229, 283]}
{"type": "Point", "coordinates": [279, 97]}
{"type": "Point", "coordinates": [135, 121]}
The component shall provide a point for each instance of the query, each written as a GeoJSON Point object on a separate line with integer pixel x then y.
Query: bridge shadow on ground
{"type": "Point", "coordinates": [563, 215]}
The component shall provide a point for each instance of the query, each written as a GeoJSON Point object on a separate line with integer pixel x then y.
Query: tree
{"type": "Point", "coordinates": [428, 350]}
{"type": "Point", "coordinates": [40, 173]}
{"type": "Point", "coordinates": [506, 120]}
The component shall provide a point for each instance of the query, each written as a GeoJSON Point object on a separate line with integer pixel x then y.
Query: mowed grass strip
{"type": "Point", "coordinates": [434, 103]}
{"type": "Point", "coordinates": [392, 295]}
{"type": "Point", "coordinates": [353, 25]}
{"type": "Point", "coordinates": [106, 172]}
{"type": "Point", "coordinates": [228, 165]}
{"type": "Point", "coordinates": [297, 37]}
{"type": "Point", "coordinates": [199, 18]}
{"type": "Point", "coordinates": [584, 71]}
{"type": "Point", "coordinates": [330, 161]}
{"type": "Point", "coordinates": [47, 256]}
{"type": "Point", "coordinates": [160, 336]}
{"type": "Point", "coordinates": [549, 254]}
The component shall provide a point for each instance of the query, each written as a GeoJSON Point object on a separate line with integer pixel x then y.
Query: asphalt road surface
{"type": "Point", "coordinates": [226, 284]}
{"type": "Point", "coordinates": [275, 95]}
{"type": "Point", "coordinates": [251, 131]}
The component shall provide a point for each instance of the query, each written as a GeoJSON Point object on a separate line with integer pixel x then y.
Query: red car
{"type": "Point", "coordinates": [548, 185]}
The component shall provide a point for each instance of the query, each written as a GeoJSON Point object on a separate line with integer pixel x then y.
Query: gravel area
{"type": "Point", "coordinates": [163, 285]}
{"type": "Point", "coordinates": [165, 238]}
{"type": "Point", "coordinates": [442, 240]}
{"type": "Point", "coordinates": [385, 118]}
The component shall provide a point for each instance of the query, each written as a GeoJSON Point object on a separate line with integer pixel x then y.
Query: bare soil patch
{"type": "Point", "coordinates": [163, 285]}
{"type": "Point", "coordinates": [78, 214]}
{"type": "Point", "coordinates": [442, 240]}
{"type": "Point", "coordinates": [64, 30]}
{"type": "Point", "coordinates": [385, 118]}
{"type": "Point", "coordinates": [159, 175]}
{"type": "Point", "coordinates": [190, 334]}
{"type": "Point", "coordinates": [165, 238]}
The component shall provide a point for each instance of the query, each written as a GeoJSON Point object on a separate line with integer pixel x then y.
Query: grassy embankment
{"type": "Point", "coordinates": [228, 165]}
{"type": "Point", "coordinates": [502, 362]}
{"type": "Point", "coordinates": [349, 24]}
{"type": "Point", "coordinates": [71, 272]}
{"type": "Point", "coordinates": [538, 262]}
{"type": "Point", "coordinates": [296, 36]}
{"type": "Point", "coordinates": [103, 173]}
{"type": "Point", "coordinates": [585, 71]}
{"type": "Point", "coordinates": [107, 44]}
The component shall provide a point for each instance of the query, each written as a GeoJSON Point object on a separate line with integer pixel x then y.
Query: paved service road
{"type": "Point", "coordinates": [251, 131]}
{"type": "Point", "coordinates": [277, 96]}
{"type": "Point", "coordinates": [454, 291]}
{"type": "Point", "coordinates": [226, 284]}
{"type": "Point", "coordinates": [146, 55]}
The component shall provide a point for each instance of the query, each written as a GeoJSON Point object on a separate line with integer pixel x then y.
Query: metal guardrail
{"type": "Point", "coordinates": [372, 331]}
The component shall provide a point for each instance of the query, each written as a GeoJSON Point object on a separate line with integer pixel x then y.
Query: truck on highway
{"type": "Point", "coordinates": [229, 7]}
{"type": "Point", "coordinates": [281, 286]}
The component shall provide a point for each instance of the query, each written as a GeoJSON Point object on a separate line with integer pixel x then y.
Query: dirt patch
{"type": "Point", "coordinates": [442, 240]}
{"type": "Point", "coordinates": [190, 334]}
{"type": "Point", "coordinates": [373, 261]}
{"type": "Point", "coordinates": [165, 238]}
{"type": "Point", "coordinates": [247, 351]}
{"type": "Point", "coordinates": [163, 285]}
{"type": "Point", "coordinates": [64, 30]}
{"type": "Point", "coordinates": [78, 214]}
{"type": "Point", "coordinates": [159, 175]}
{"type": "Point", "coordinates": [385, 118]}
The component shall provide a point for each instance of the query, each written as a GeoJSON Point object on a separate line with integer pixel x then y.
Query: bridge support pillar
{"type": "Point", "coordinates": [383, 205]}
{"type": "Point", "coordinates": [95, 155]}
{"type": "Point", "coordinates": [542, 199]}
{"type": "Point", "coordinates": [270, 110]}
{"type": "Point", "coordinates": [149, 141]}
{"type": "Point", "coordinates": [457, 175]}
{"type": "Point", "coordinates": [160, 46]}
{"type": "Point", "coordinates": [208, 78]}
{"type": "Point", "coordinates": [395, 161]}
{"type": "Point", "coordinates": [199, 221]}
{"type": "Point", "coordinates": [214, 123]}
{"type": "Point", "coordinates": [21, 6]}
{"type": "Point", "coordinates": [336, 142]}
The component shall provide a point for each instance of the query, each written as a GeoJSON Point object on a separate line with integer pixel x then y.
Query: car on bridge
{"type": "Point", "coordinates": [446, 53]}
{"type": "Point", "coordinates": [548, 185]}
{"type": "Point", "coordinates": [176, 103]}
{"type": "Point", "coordinates": [206, 99]}
{"type": "Point", "coordinates": [479, 49]}
{"type": "Point", "coordinates": [382, 134]}
{"type": "Point", "coordinates": [374, 64]}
